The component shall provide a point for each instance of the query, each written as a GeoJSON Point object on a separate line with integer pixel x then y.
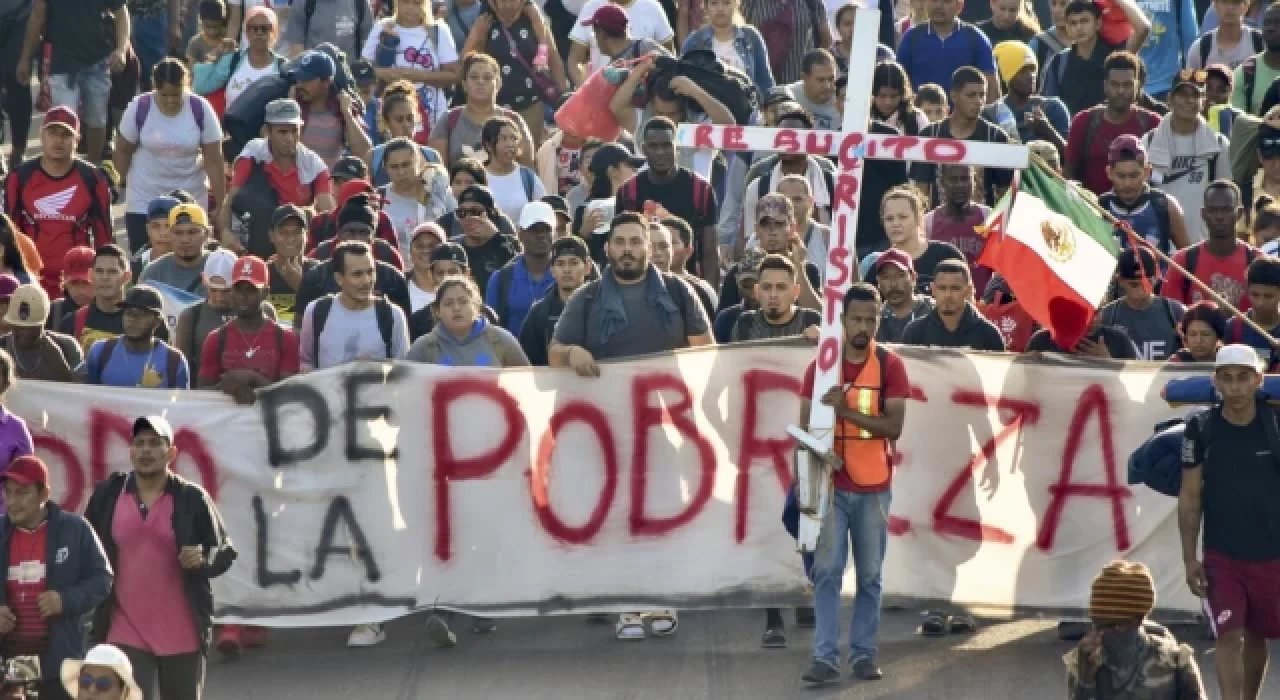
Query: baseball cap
{"type": "Point", "coordinates": [775, 96]}
{"type": "Point", "coordinates": [428, 227]}
{"type": "Point", "coordinates": [251, 269]}
{"type": "Point", "coordinates": [313, 65]}
{"type": "Point", "coordinates": [775, 207]}
{"type": "Point", "coordinates": [749, 266]}
{"type": "Point", "coordinates": [219, 264]}
{"type": "Point", "coordinates": [8, 285]}
{"type": "Point", "coordinates": [1237, 355]}
{"type": "Point", "coordinates": [362, 70]}
{"type": "Point", "coordinates": [350, 168]}
{"type": "Point", "coordinates": [1127, 264]}
{"type": "Point", "coordinates": [1190, 76]}
{"type": "Point", "coordinates": [64, 117]}
{"type": "Point", "coordinates": [161, 207]}
{"type": "Point", "coordinates": [27, 469]}
{"type": "Point", "coordinates": [285, 212]}
{"type": "Point", "coordinates": [609, 17]}
{"type": "Point", "coordinates": [1011, 57]}
{"type": "Point", "coordinates": [1268, 141]}
{"type": "Point", "coordinates": [611, 154]}
{"type": "Point", "coordinates": [29, 307]}
{"type": "Point", "coordinates": [899, 259]}
{"type": "Point", "coordinates": [537, 213]}
{"type": "Point", "coordinates": [77, 264]}
{"type": "Point", "coordinates": [156, 424]}
{"type": "Point", "coordinates": [558, 204]}
{"type": "Point", "coordinates": [143, 297]}
{"type": "Point", "coordinates": [188, 214]}
{"type": "Point", "coordinates": [283, 111]}
{"type": "Point", "coordinates": [1126, 147]}
{"type": "Point", "coordinates": [449, 252]}
{"type": "Point", "coordinates": [571, 246]}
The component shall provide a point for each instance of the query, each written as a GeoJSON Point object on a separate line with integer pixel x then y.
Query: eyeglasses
{"type": "Point", "coordinates": [257, 28]}
{"type": "Point", "coordinates": [468, 213]}
{"type": "Point", "coordinates": [103, 683]}
{"type": "Point", "coordinates": [1193, 75]}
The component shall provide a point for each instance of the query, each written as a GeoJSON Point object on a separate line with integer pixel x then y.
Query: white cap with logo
{"type": "Point", "coordinates": [1237, 355]}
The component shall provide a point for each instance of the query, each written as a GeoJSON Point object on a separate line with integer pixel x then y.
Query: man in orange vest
{"type": "Point", "coordinates": [870, 404]}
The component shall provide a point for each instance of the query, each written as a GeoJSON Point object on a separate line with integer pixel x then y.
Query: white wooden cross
{"type": "Point", "coordinates": [852, 145]}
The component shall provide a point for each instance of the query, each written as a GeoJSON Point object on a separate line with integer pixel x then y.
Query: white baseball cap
{"type": "Point", "coordinates": [537, 213]}
{"type": "Point", "coordinates": [1237, 355]}
{"type": "Point", "coordinates": [106, 655]}
{"type": "Point", "coordinates": [221, 263]}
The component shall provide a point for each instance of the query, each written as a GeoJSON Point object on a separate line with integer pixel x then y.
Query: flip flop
{"type": "Point", "coordinates": [961, 624]}
{"type": "Point", "coordinates": [774, 638]}
{"type": "Point", "coordinates": [630, 627]}
{"type": "Point", "coordinates": [933, 624]}
{"type": "Point", "coordinates": [662, 623]}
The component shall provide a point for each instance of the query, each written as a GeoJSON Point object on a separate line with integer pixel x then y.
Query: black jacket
{"type": "Point", "coordinates": [196, 521]}
{"type": "Point", "coordinates": [974, 332]}
{"type": "Point", "coordinates": [539, 328]}
{"type": "Point", "coordinates": [76, 568]}
{"type": "Point", "coordinates": [320, 282]}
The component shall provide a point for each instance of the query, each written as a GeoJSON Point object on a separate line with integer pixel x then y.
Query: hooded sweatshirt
{"type": "Point", "coordinates": [486, 345]}
{"type": "Point", "coordinates": [973, 333]}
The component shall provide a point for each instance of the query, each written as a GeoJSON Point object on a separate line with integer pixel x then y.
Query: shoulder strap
{"type": "Point", "coordinates": [375, 160]}
{"type": "Point", "coordinates": [667, 279]}
{"type": "Point", "coordinates": [197, 111]}
{"type": "Point", "coordinates": [1168, 311]}
{"type": "Point", "coordinates": [279, 348]}
{"type": "Point", "coordinates": [172, 362]}
{"type": "Point", "coordinates": [1160, 205]}
{"type": "Point", "coordinates": [451, 123]}
{"type": "Point", "coordinates": [141, 112]}
{"type": "Point", "coordinates": [386, 323]}
{"type": "Point", "coordinates": [526, 178]}
{"type": "Point", "coordinates": [1109, 315]}
{"type": "Point", "coordinates": [82, 316]}
{"type": "Point", "coordinates": [1250, 71]}
{"type": "Point", "coordinates": [1206, 47]}
{"type": "Point", "coordinates": [1193, 259]}
{"type": "Point", "coordinates": [882, 356]}
{"type": "Point", "coordinates": [222, 346]}
{"type": "Point", "coordinates": [1094, 123]}
{"type": "Point", "coordinates": [1063, 61]}
{"type": "Point", "coordinates": [318, 318]}
{"type": "Point", "coordinates": [195, 321]}
{"type": "Point", "coordinates": [1258, 44]}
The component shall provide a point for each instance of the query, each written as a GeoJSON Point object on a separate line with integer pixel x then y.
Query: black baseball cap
{"type": "Point", "coordinates": [558, 204]}
{"type": "Point", "coordinates": [350, 168]}
{"type": "Point", "coordinates": [450, 252]}
{"type": "Point", "coordinates": [362, 70]}
{"type": "Point", "coordinates": [1127, 264]}
{"type": "Point", "coordinates": [143, 297]}
{"type": "Point", "coordinates": [775, 96]}
{"type": "Point", "coordinates": [611, 154]}
{"type": "Point", "coordinates": [1268, 141]}
{"type": "Point", "coordinates": [285, 212]}
{"type": "Point", "coordinates": [571, 246]}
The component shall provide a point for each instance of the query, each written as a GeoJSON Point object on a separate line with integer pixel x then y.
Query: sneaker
{"type": "Point", "coordinates": [774, 638]}
{"type": "Point", "coordinates": [805, 618]}
{"type": "Point", "coordinates": [439, 633]}
{"type": "Point", "coordinates": [367, 636]}
{"type": "Point", "coordinates": [820, 674]}
{"type": "Point", "coordinates": [865, 669]}
{"type": "Point", "coordinates": [229, 641]}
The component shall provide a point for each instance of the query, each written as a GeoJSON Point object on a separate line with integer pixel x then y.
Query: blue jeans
{"type": "Point", "coordinates": [860, 519]}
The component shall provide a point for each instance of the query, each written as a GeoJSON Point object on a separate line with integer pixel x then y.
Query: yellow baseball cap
{"type": "Point", "coordinates": [1011, 57]}
{"type": "Point", "coordinates": [188, 214]}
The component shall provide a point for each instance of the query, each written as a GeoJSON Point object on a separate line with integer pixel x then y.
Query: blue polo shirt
{"type": "Point", "coordinates": [929, 58]}
{"type": "Point", "coordinates": [522, 290]}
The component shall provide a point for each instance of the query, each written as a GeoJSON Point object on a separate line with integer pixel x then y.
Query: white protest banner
{"type": "Point", "coordinates": [365, 492]}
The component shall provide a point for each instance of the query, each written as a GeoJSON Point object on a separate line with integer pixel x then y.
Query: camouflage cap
{"type": "Point", "coordinates": [749, 266]}
{"type": "Point", "coordinates": [776, 207]}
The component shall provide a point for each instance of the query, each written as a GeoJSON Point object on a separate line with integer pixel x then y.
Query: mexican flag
{"type": "Point", "coordinates": [1055, 251]}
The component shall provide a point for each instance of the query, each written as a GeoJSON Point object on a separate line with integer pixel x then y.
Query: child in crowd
{"type": "Point", "coordinates": [206, 45]}
{"type": "Point", "coordinates": [931, 100]}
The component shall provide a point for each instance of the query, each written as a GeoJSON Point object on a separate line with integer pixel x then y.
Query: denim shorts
{"type": "Point", "coordinates": [85, 91]}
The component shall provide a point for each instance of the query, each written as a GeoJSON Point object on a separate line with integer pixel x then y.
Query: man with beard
{"type": "Point", "coordinates": [181, 269]}
{"type": "Point", "coordinates": [633, 309]}
{"type": "Point", "coordinates": [777, 315]}
{"type": "Point", "coordinates": [776, 231]}
{"type": "Point", "coordinates": [680, 191]}
{"type": "Point", "coordinates": [896, 280]}
{"type": "Point", "coordinates": [1123, 644]}
{"type": "Point", "coordinates": [527, 278]}
{"type": "Point", "coordinates": [870, 404]}
{"type": "Point", "coordinates": [289, 265]}
{"type": "Point", "coordinates": [38, 353]}
{"type": "Point", "coordinates": [953, 323]}
{"type": "Point", "coordinates": [103, 316]}
{"type": "Point", "coordinates": [137, 358]}
{"type": "Point", "coordinates": [570, 262]}
{"type": "Point", "coordinates": [1095, 126]}
{"type": "Point", "coordinates": [488, 249]}
{"type": "Point", "coordinates": [746, 277]}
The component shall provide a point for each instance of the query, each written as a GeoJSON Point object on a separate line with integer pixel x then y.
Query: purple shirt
{"type": "Point", "coordinates": [15, 439]}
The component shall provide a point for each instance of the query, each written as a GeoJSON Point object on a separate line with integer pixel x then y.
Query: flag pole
{"type": "Point", "coordinates": [1213, 295]}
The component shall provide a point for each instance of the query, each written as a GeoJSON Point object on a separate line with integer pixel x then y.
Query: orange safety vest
{"type": "Point", "coordinates": [866, 457]}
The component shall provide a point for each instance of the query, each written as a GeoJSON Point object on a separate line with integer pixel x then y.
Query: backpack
{"type": "Point", "coordinates": [667, 278]}
{"type": "Point", "coordinates": [381, 307]}
{"type": "Point", "coordinates": [144, 109]}
{"type": "Point", "coordinates": [1270, 426]}
{"type": "Point", "coordinates": [1193, 260]}
{"type": "Point", "coordinates": [171, 362]}
{"type": "Point", "coordinates": [251, 210]}
{"type": "Point", "coordinates": [242, 121]}
{"type": "Point", "coordinates": [1206, 45]}
{"type": "Point", "coordinates": [90, 175]}
{"type": "Point", "coordinates": [309, 9]}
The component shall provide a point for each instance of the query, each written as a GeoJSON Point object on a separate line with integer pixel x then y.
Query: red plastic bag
{"type": "Point", "coordinates": [586, 113]}
{"type": "Point", "coordinates": [1013, 322]}
{"type": "Point", "coordinates": [1116, 29]}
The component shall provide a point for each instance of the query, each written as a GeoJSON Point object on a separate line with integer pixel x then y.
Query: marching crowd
{"type": "Point", "coordinates": [338, 181]}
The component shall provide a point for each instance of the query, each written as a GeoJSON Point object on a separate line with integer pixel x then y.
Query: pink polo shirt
{"type": "Point", "coordinates": [151, 611]}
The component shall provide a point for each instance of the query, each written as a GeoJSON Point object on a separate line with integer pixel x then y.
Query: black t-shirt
{"type": "Point", "coordinates": [100, 325]}
{"type": "Point", "coordinates": [1116, 339]}
{"type": "Point", "coordinates": [1082, 87]}
{"type": "Point", "coordinates": [752, 325]}
{"type": "Point", "coordinates": [926, 264]}
{"type": "Point", "coordinates": [539, 328]}
{"type": "Point", "coordinates": [1241, 484]}
{"type": "Point", "coordinates": [687, 196]}
{"type": "Point", "coordinates": [983, 132]}
{"type": "Point", "coordinates": [730, 294]}
{"type": "Point", "coordinates": [81, 31]}
{"type": "Point", "coordinates": [1017, 32]}
{"type": "Point", "coordinates": [489, 257]}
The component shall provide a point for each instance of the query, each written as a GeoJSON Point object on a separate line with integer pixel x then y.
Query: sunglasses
{"type": "Point", "coordinates": [468, 213]}
{"type": "Point", "coordinates": [103, 683]}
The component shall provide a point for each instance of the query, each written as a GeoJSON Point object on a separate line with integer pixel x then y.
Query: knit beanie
{"type": "Point", "coordinates": [1123, 591]}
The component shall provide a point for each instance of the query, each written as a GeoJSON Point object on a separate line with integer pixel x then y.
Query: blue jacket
{"type": "Point", "coordinates": [77, 569]}
{"type": "Point", "coordinates": [751, 50]}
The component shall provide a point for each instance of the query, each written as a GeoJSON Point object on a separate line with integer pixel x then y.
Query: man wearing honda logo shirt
{"type": "Point", "coordinates": [58, 200]}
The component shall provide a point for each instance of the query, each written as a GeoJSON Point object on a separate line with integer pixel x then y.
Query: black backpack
{"type": "Point", "coordinates": [243, 119]}
{"type": "Point", "coordinates": [251, 211]}
{"type": "Point", "coordinates": [172, 361]}
{"type": "Point", "coordinates": [381, 307]}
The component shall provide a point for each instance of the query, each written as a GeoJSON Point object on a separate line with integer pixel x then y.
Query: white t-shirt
{"type": "Point", "coordinates": [350, 335]}
{"type": "Point", "coordinates": [417, 49]}
{"type": "Point", "coordinates": [728, 54]}
{"type": "Point", "coordinates": [168, 154]}
{"type": "Point", "coordinates": [1231, 58]}
{"type": "Point", "coordinates": [418, 297]}
{"type": "Point", "coordinates": [405, 214]}
{"type": "Point", "coordinates": [509, 192]}
{"type": "Point", "coordinates": [245, 76]}
{"type": "Point", "coordinates": [647, 20]}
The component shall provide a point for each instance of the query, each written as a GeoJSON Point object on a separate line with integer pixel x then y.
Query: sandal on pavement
{"type": "Point", "coordinates": [933, 624]}
{"type": "Point", "coordinates": [774, 638]}
{"type": "Point", "coordinates": [961, 624]}
{"type": "Point", "coordinates": [662, 623]}
{"type": "Point", "coordinates": [630, 627]}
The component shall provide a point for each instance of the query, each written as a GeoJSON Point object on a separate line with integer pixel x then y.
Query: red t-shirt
{"type": "Point", "coordinates": [963, 234]}
{"type": "Point", "coordinates": [259, 352]}
{"type": "Point", "coordinates": [288, 186]}
{"type": "Point", "coordinates": [894, 386]}
{"type": "Point", "coordinates": [1226, 276]}
{"type": "Point", "coordinates": [57, 213]}
{"type": "Point", "coordinates": [1093, 155]}
{"type": "Point", "coordinates": [25, 583]}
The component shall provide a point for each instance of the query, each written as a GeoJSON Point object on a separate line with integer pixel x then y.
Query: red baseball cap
{"type": "Point", "coordinates": [897, 258]}
{"type": "Point", "coordinates": [77, 264]}
{"type": "Point", "coordinates": [62, 116]}
{"type": "Point", "coordinates": [27, 469]}
{"type": "Point", "coordinates": [609, 17]}
{"type": "Point", "coordinates": [1126, 147]}
{"type": "Point", "coordinates": [253, 270]}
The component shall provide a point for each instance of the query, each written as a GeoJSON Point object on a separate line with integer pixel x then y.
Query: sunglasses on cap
{"type": "Point", "coordinates": [1193, 75]}
{"type": "Point", "coordinates": [102, 683]}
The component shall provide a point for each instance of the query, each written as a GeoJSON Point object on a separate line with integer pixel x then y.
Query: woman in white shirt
{"type": "Point", "coordinates": [413, 46]}
{"type": "Point", "coordinates": [169, 138]}
{"type": "Point", "coordinates": [513, 184]}
{"type": "Point", "coordinates": [418, 191]}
